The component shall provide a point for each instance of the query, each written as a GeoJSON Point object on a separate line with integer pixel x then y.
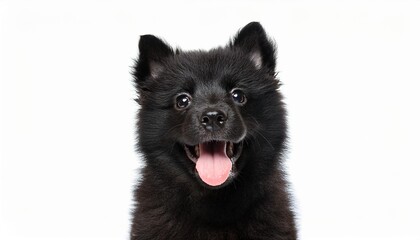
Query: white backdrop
{"type": "Point", "coordinates": [351, 73]}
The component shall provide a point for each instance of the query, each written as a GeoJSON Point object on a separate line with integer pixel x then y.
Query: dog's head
{"type": "Point", "coordinates": [209, 112]}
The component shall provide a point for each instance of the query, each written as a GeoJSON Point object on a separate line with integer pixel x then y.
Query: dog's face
{"type": "Point", "coordinates": [201, 111]}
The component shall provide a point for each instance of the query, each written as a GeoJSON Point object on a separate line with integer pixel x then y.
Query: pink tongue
{"type": "Point", "coordinates": [213, 165]}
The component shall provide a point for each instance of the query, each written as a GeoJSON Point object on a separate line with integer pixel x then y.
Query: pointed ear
{"type": "Point", "coordinates": [153, 53]}
{"type": "Point", "coordinates": [253, 41]}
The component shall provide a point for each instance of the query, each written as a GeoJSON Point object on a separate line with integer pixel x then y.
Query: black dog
{"type": "Point", "coordinates": [212, 131]}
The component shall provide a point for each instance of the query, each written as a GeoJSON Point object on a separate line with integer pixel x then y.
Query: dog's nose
{"type": "Point", "coordinates": [213, 120]}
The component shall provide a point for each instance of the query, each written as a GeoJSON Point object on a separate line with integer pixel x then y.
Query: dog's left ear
{"type": "Point", "coordinates": [253, 41]}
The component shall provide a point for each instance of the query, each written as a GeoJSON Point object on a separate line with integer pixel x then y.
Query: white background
{"type": "Point", "coordinates": [350, 73]}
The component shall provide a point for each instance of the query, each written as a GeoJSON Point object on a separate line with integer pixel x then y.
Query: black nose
{"type": "Point", "coordinates": [213, 120]}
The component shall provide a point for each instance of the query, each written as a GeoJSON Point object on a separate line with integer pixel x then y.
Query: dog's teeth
{"type": "Point", "coordinates": [230, 149]}
{"type": "Point", "coordinates": [197, 151]}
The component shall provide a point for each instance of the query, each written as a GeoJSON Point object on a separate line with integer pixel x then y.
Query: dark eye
{"type": "Point", "coordinates": [238, 96]}
{"type": "Point", "coordinates": [183, 100]}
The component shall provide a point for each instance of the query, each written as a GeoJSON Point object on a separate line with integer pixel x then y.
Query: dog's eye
{"type": "Point", "coordinates": [183, 100]}
{"type": "Point", "coordinates": [238, 96]}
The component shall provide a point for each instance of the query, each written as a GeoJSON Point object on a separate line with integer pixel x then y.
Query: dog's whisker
{"type": "Point", "coordinates": [173, 128]}
{"type": "Point", "coordinates": [258, 131]}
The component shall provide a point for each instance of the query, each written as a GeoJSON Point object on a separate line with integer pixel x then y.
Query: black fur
{"type": "Point", "coordinates": [171, 201]}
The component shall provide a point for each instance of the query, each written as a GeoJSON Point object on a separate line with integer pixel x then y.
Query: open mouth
{"type": "Point", "coordinates": [214, 160]}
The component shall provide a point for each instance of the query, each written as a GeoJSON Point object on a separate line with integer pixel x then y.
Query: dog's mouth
{"type": "Point", "coordinates": [214, 160]}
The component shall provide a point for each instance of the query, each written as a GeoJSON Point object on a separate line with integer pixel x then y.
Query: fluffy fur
{"type": "Point", "coordinates": [171, 200]}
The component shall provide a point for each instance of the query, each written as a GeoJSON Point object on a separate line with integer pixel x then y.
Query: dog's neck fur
{"type": "Point", "coordinates": [217, 213]}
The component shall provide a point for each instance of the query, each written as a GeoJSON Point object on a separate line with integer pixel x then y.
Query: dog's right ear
{"type": "Point", "coordinates": [153, 54]}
